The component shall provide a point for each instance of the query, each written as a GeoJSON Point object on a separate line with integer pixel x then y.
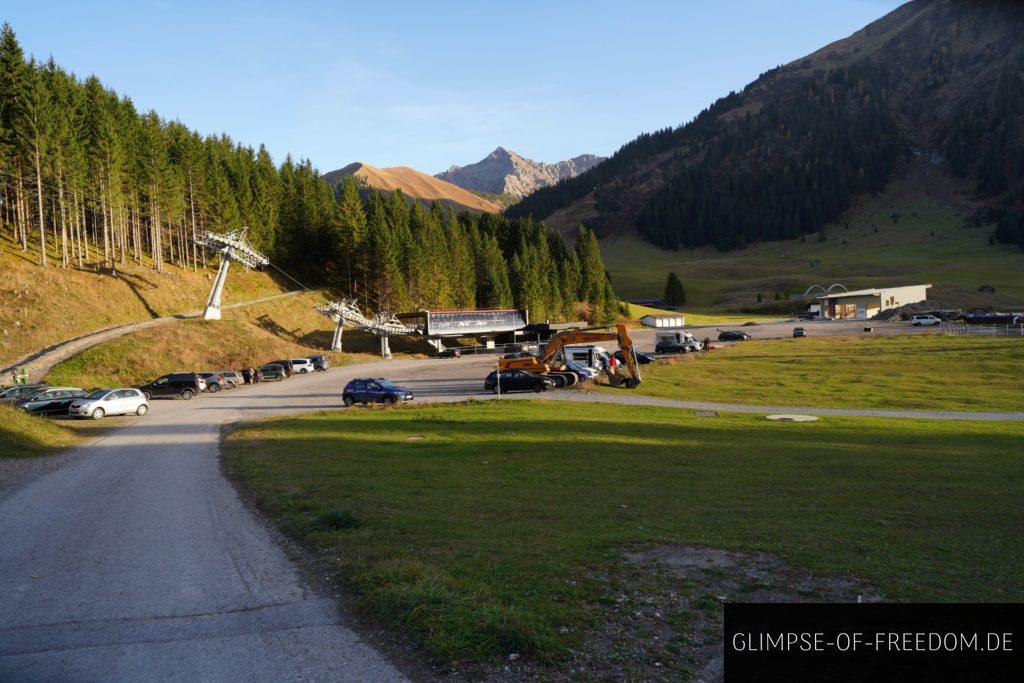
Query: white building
{"type": "Point", "coordinates": [662, 321]}
{"type": "Point", "coordinates": [864, 304]}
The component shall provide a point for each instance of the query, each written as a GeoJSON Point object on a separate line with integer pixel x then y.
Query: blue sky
{"type": "Point", "coordinates": [429, 84]}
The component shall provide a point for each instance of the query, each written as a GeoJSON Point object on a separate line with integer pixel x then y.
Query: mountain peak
{"type": "Point", "coordinates": [506, 172]}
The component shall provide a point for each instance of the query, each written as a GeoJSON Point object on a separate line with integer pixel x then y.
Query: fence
{"type": "Point", "coordinates": [961, 329]}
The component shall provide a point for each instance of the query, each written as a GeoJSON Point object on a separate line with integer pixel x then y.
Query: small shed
{"type": "Point", "coordinates": [662, 321]}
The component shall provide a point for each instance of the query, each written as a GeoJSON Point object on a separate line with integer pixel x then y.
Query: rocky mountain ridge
{"type": "Point", "coordinates": [506, 172]}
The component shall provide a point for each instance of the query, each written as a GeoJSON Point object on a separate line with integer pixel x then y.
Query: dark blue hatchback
{"type": "Point", "coordinates": [377, 390]}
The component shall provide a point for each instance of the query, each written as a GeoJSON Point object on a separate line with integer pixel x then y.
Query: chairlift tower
{"type": "Point", "coordinates": [383, 325]}
{"type": "Point", "coordinates": [233, 246]}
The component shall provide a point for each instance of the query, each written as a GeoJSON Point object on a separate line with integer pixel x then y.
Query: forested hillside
{"type": "Point", "coordinates": [88, 181]}
{"type": "Point", "coordinates": [938, 79]}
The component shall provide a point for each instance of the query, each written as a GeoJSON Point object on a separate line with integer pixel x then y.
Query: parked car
{"type": "Point", "coordinates": [104, 402]}
{"type": "Point", "coordinates": [321, 363]}
{"type": "Point", "coordinates": [12, 394]}
{"type": "Point", "coordinates": [676, 347]}
{"type": "Point", "coordinates": [377, 390]}
{"type": "Point", "coordinates": [50, 401]}
{"type": "Point", "coordinates": [585, 373]}
{"type": "Point", "coordinates": [799, 332]}
{"type": "Point", "coordinates": [924, 320]}
{"type": "Point", "coordinates": [286, 364]}
{"type": "Point", "coordinates": [177, 384]}
{"type": "Point", "coordinates": [272, 371]}
{"type": "Point", "coordinates": [214, 381]}
{"type": "Point", "coordinates": [232, 378]}
{"type": "Point", "coordinates": [641, 358]}
{"type": "Point", "coordinates": [733, 335]}
{"type": "Point", "coordinates": [302, 366]}
{"type": "Point", "coordinates": [517, 380]}
{"type": "Point", "coordinates": [450, 353]}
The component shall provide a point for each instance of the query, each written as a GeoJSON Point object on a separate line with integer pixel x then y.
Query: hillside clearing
{"type": "Point", "coordinates": [42, 306]}
{"type": "Point", "coordinates": [494, 528]}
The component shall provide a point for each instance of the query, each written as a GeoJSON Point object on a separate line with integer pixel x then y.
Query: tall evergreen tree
{"type": "Point", "coordinates": [675, 294]}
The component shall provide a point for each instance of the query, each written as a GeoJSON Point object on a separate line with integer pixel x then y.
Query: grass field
{"type": "Point", "coordinates": [249, 336]}
{"type": "Point", "coordinates": [26, 436]}
{"type": "Point", "coordinates": [637, 311]}
{"type": "Point", "coordinates": [494, 528]}
{"type": "Point", "coordinates": [928, 244]}
{"type": "Point", "coordinates": [39, 307]}
{"type": "Point", "coordinates": [909, 372]}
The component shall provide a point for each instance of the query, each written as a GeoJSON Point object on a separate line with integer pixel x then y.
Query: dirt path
{"type": "Point", "coordinates": [38, 364]}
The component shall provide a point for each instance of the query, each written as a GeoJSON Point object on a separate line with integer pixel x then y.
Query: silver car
{"type": "Point", "coordinates": [110, 402]}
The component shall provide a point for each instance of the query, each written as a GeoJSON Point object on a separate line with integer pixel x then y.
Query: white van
{"type": "Point", "coordinates": [674, 337]}
{"type": "Point", "coordinates": [588, 354]}
{"type": "Point", "coordinates": [923, 320]}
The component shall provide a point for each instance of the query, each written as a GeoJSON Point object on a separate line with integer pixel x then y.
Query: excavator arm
{"type": "Point", "coordinates": [555, 347]}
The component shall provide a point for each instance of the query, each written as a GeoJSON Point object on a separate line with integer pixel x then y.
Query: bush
{"type": "Point", "coordinates": [335, 520]}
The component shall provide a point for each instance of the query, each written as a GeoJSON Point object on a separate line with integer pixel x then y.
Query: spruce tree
{"type": "Point", "coordinates": [675, 294]}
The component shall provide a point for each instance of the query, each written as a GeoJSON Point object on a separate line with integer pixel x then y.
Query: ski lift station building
{"type": "Point", "coordinates": [449, 324]}
{"type": "Point", "coordinates": [864, 304]}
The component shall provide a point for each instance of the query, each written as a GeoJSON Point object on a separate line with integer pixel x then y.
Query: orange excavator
{"type": "Point", "coordinates": [552, 360]}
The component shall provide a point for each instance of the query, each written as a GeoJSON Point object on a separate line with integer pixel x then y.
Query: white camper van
{"type": "Point", "coordinates": [588, 354]}
{"type": "Point", "coordinates": [675, 341]}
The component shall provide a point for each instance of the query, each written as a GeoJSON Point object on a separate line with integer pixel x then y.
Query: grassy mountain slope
{"type": "Point", "coordinates": [42, 306]}
{"type": "Point", "coordinates": [929, 242]}
{"type": "Point", "coordinates": [414, 184]}
{"type": "Point", "coordinates": [939, 80]}
{"type": "Point", "coordinates": [248, 336]}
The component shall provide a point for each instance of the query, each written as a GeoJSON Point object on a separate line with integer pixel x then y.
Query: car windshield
{"type": "Point", "coordinates": [99, 394]}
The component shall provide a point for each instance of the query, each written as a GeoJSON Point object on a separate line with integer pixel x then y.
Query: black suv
{"type": "Point", "coordinates": [518, 380]}
{"type": "Point", "coordinates": [183, 384]}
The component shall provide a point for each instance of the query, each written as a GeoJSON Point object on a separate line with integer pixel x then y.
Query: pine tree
{"type": "Point", "coordinates": [591, 266]}
{"type": "Point", "coordinates": [675, 294]}
{"type": "Point", "coordinates": [352, 223]}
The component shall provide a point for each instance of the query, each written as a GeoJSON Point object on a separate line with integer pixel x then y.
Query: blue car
{"type": "Point", "coordinates": [377, 390]}
{"type": "Point", "coordinates": [585, 373]}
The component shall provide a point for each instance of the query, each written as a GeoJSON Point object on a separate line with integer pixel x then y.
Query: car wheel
{"type": "Point", "coordinates": [146, 395]}
{"type": "Point", "coordinates": [97, 414]}
{"type": "Point", "coordinates": [142, 410]}
{"type": "Point", "coordinates": [496, 390]}
{"type": "Point", "coordinates": [187, 394]}
{"type": "Point", "coordinates": [388, 400]}
{"type": "Point", "coordinates": [348, 401]}
{"type": "Point", "coordinates": [539, 388]}
{"type": "Point", "coordinates": [303, 371]}
{"type": "Point", "coordinates": [280, 378]}
{"type": "Point", "coordinates": [213, 388]}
